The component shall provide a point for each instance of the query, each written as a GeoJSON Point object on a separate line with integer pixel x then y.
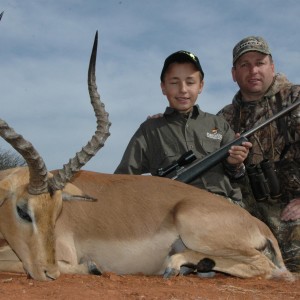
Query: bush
{"type": "Point", "coordinates": [10, 159]}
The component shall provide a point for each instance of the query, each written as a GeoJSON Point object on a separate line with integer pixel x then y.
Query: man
{"type": "Point", "coordinates": [263, 93]}
{"type": "Point", "coordinates": [160, 141]}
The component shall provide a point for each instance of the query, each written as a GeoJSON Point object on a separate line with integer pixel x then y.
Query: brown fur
{"type": "Point", "coordinates": [132, 228]}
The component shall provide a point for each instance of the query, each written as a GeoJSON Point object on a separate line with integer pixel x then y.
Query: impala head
{"type": "Point", "coordinates": [31, 198]}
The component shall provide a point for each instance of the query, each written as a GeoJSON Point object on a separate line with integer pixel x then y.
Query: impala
{"type": "Point", "coordinates": [72, 221]}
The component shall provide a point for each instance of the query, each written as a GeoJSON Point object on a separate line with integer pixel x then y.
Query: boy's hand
{"type": "Point", "coordinates": [237, 154]}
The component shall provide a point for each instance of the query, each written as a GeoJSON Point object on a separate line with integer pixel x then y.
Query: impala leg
{"type": "Point", "coordinates": [68, 260]}
{"type": "Point", "coordinates": [84, 267]}
{"type": "Point", "coordinates": [11, 266]}
{"type": "Point", "coordinates": [237, 265]}
{"type": "Point", "coordinates": [9, 262]}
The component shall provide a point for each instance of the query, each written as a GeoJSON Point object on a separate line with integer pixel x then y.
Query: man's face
{"type": "Point", "coordinates": [181, 86]}
{"type": "Point", "coordinates": [254, 73]}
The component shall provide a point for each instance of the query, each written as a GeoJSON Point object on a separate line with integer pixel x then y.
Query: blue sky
{"type": "Point", "coordinates": [45, 49]}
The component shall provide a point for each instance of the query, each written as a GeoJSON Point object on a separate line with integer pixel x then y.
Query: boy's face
{"type": "Point", "coordinates": [182, 84]}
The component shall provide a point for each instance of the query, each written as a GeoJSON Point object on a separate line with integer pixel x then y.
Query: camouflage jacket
{"type": "Point", "coordinates": [280, 140]}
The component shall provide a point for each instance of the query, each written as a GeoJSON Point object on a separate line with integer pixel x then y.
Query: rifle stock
{"type": "Point", "coordinates": [199, 166]}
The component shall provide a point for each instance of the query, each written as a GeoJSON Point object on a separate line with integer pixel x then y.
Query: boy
{"type": "Point", "coordinates": [184, 126]}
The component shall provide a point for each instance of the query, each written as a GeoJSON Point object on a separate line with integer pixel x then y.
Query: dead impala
{"type": "Point", "coordinates": [138, 224]}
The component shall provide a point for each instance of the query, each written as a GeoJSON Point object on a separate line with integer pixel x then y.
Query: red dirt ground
{"type": "Point", "coordinates": [138, 287]}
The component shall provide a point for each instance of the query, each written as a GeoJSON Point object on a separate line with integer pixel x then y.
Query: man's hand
{"type": "Point", "coordinates": [292, 211]}
{"type": "Point", "coordinates": [159, 115]}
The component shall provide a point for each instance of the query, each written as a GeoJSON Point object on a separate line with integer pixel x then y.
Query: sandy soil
{"type": "Point", "coordinates": [111, 286]}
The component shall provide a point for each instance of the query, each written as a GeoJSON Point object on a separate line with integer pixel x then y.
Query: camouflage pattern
{"type": "Point", "coordinates": [270, 142]}
{"type": "Point", "coordinates": [250, 43]}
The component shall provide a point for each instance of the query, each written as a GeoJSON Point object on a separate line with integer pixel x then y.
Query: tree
{"type": "Point", "coordinates": [10, 159]}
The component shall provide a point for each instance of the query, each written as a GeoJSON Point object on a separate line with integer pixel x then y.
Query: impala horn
{"type": "Point", "coordinates": [37, 168]}
{"type": "Point", "coordinates": [38, 182]}
{"type": "Point", "coordinates": [58, 181]}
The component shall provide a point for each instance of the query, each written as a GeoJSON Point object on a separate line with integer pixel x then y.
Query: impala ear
{"type": "Point", "coordinates": [5, 189]}
{"type": "Point", "coordinates": [69, 197]}
{"type": "Point", "coordinates": [2, 199]}
{"type": "Point", "coordinates": [73, 193]}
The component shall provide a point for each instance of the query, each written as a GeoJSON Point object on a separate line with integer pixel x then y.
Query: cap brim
{"type": "Point", "coordinates": [250, 50]}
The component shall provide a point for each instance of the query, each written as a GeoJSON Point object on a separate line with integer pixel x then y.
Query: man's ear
{"type": "Point", "coordinates": [273, 69]}
{"type": "Point", "coordinates": [233, 74]}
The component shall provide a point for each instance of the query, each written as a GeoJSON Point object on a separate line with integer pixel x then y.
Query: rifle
{"type": "Point", "coordinates": [186, 158]}
{"type": "Point", "coordinates": [199, 166]}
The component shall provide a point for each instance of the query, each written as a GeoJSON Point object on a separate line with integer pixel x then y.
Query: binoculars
{"type": "Point", "coordinates": [186, 158]}
{"type": "Point", "coordinates": [263, 180]}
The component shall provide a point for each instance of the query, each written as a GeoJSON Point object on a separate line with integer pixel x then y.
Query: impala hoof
{"type": "Point", "coordinates": [205, 265]}
{"type": "Point", "coordinates": [170, 272]}
{"type": "Point", "coordinates": [206, 274]}
{"type": "Point", "coordinates": [93, 270]}
{"type": "Point", "coordinates": [185, 270]}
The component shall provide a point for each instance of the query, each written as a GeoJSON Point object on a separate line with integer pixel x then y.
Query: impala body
{"type": "Point", "coordinates": [74, 221]}
{"type": "Point", "coordinates": [138, 224]}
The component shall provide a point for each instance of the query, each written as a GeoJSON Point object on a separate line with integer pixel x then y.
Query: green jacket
{"type": "Point", "coordinates": [158, 142]}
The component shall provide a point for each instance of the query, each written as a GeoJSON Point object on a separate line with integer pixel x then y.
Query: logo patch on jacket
{"type": "Point", "coordinates": [214, 134]}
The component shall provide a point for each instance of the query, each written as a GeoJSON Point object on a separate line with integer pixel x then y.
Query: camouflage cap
{"type": "Point", "coordinates": [250, 43]}
{"type": "Point", "coordinates": [181, 57]}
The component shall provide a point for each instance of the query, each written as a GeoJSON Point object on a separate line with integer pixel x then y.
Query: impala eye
{"type": "Point", "coordinates": [22, 212]}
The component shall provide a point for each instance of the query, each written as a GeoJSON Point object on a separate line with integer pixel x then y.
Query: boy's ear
{"type": "Point", "coordinates": [163, 89]}
{"type": "Point", "coordinates": [201, 86]}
